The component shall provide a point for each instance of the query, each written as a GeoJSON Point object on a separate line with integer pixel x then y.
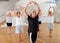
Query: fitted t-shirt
{"type": "Point", "coordinates": [33, 24]}
{"type": "Point", "coordinates": [9, 19]}
{"type": "Point", "coordinates": [19, 21]}
{"type": "Point", "coordinates": [51, 19]}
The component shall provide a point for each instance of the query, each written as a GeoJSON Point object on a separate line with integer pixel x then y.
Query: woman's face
{"type": "Point", "coordinates": [33, 14]}
{"type": "Point", "coordinates": [50, 13]}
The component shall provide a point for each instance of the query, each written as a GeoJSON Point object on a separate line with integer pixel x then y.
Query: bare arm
{"type": "Point", "coordinates": [48, 13]}
{"type": "Point", "coordinates": [14, 12]}
{"type": "Point", "coordinates": [7, 13]}
{"type": "Point", "coordinates": [39, 10]}
{"type": "Point", "coordinates": [53, 10]}
{"type": "Point", "coordinates": [25, 13]}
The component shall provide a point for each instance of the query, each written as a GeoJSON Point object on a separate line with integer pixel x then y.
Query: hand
{"type": "Point", "coordinates": [15, 7]}
{"type": "Point", "coordinates": [30, 2]}
{"type": "Point", "coordinates": [33, 2]}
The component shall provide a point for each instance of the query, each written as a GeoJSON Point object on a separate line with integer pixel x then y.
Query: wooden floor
{"type": "Point", "coordinates": [42, 35]}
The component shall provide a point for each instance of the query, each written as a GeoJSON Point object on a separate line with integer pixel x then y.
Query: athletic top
{"type": "Point", "coordinates": [19, 21]}
{"type": "Point", "coordinates": [51, 19]}
{"type": "Point", "coordinates": [9, 19]}
{"type": "Point", "coordinates": [33, 24]}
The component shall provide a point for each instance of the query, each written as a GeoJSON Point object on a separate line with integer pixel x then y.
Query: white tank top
{"type": "Point", "coordinates": [51, 19]}
{"type": "Point", "coordinates": [19, 21]}
{"type": "Point", "coordinates": [9, 19]}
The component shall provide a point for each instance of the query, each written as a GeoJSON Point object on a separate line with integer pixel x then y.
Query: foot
{"type": "Point", "coordinates": [19, 40]}
{"type": "Point", "coordinates": [9, 33]}
{"type": "Point", "coordinates": [50, 36]}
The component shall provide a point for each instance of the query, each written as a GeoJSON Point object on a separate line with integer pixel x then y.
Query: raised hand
{"type": "Point", "coordinates": [33, 2]}
{"type": "Point", "coordinates": [30, 2]}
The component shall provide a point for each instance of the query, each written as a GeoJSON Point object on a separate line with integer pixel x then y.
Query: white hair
{"type": "Point", "coordinates": [33, 10]}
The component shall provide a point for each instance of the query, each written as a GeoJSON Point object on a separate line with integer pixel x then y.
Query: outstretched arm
{"type": "Point", "coordinates": [25, 13]}
{"type": "Point", "coordinates": [6, 14]}
{"type": "Point", "coordinates": [53, 10]}
{"type": "Point", "coordinates": [14, 12]}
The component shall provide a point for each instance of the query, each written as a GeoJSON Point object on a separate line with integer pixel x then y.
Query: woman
{"type": "Point", "coordinates": [9, 22]}
{"type": "Point", "coordinates": [33, 27]}
{"type": "Point", "coordinates": [19, 24]}
{"type": "Point", "coordinates": [51, 13]}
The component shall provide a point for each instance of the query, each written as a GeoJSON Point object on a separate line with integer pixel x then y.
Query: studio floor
{"type": "Point", "coordinates": [42, 35]}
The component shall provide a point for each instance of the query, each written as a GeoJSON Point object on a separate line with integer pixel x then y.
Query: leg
{"type": "Point", "coordinates": [9, 30]}
{"type": "Point", "coordinates": [51, 27]}
{"type": "Point", "coordinates": [33, 37]}
{"type": "Point", "coordinates": [18, 32]}
{"type": "Point", "coordinates": [30, 37]}
{"type": "Point", "coordinates": [39, 25]}
{"type": "Point", "coordinates": [19, 37]}
{"type": "Point", "coordinates": [51, 33]}
{"type": "Point", "coordinates": [9, 25]}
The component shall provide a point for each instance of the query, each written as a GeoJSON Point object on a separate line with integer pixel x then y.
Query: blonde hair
{"type": "Point", "coordinates": [9, 12]}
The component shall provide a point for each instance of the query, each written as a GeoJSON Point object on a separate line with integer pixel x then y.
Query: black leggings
{"type": "Point", "coordinates": [33, 37]}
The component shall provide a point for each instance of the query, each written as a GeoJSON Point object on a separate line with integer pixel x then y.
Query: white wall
{"type": "Point", "coordinates": [4, 6]}
{"type": "Point", "coordinates": [24, 2]}
{"type": "Point", "coordinates": [12, 4]}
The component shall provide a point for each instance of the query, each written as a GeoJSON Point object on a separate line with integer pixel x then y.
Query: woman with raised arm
{"type": "Point", "coordinates": [33, 27]}
{"type": "Point", "coordinates": [9, 22]}
{"type": "Point", "coordinates": [51, 13]}
{"type": "Point", "coordinates": [19, 23]}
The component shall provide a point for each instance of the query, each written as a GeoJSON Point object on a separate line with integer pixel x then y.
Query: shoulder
{"type": "Point", "coordinates": [28, 17]}
{"type": "Point", "coordinates": [37, 15]}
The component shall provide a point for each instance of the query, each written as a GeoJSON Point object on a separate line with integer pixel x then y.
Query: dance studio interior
{"type": "Point", "coordinates": [7, 6]}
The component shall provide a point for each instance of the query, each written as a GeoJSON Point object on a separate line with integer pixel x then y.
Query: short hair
{"type": "Point", "coordinates": [18, 12]}
{"type": "Point", "coordinates": [50, 12]}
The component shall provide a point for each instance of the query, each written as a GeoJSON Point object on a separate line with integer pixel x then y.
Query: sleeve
{"type": "Point", "coordinates": [28, 17]}
{"type": "Point", "coordinates": [39, 20]}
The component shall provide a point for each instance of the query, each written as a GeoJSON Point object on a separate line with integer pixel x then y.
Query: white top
{"type": "Point", "coordinates": [9, 19]}
{"type": "Point", "coordinates": [51, 19]}
{"type": "Point", "coordinates": [19, 21]}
